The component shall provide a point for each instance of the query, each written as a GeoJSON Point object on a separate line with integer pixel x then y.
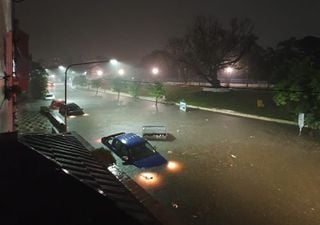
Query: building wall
{"type": "Point", "coordinates": [22, 58]}
{"type": "Point", "coordinates": [5, 26]}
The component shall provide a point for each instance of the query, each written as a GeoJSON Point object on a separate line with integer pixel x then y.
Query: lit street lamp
{"type": "Point", "coordinates": [121, 72]}
{"type": "Point", "coordinates": [99, 73]}
{"type": "Point", "coordinates": [155, 71]}
{"type": "Point", "coordinates": [62, 68]}
{"type": "Point", "coordinates": [114, 61]}
{"type": "Point", "coordinates": [229, 70]}
{"type": "Point", "coordinates": [65, 84]}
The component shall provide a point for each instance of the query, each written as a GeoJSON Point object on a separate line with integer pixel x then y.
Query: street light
{"type": "Point", "coordinates": [121, 72]}
{"type": "Point", "coordinates": [99, 73]}
{"type": "Point", "coordinates": [65, 84]}
{"type": "Point", "coordinates": [229, 70]}
{"type": "Point", "coordinates": [114, 61]}
{"type": "Point", "coordinates": [155, 70]}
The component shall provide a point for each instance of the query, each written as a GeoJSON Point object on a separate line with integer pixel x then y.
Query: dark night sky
{"type": "Point", "coordinates": [128, 29]}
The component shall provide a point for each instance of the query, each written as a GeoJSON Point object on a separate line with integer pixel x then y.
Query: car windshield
{"type": "Point", "coordinates": [73, 107]}
{"type": "Point", "coordinates": [142, 150]}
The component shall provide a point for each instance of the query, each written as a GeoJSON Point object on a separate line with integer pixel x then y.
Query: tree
{"type": "Point", "coordinates": [118, 85]}
{"type": "Point", "coordinates": [157, 90]}
{"type": "Point", "coordinates": [97, 83]}
{"type": "Point", "coordinates": [134, 87]}
{"type": "Point", "coordinates": [38, 81]}
{"type": "Point", "coordinates": [295, 49]}
{"type": "Point", "coordinates": [257, 63]}
{"type": "Point", "coordinates": [299, 90]}
{"type": "Point", "coordinates": [208, 47]}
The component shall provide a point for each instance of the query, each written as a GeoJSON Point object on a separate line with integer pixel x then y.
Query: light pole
{"type": "Point", "coordinates": [65, 86]}
{"type": "Point", "coordinates": [121, 72]}
{"type": "Point", "coordinates": [114, 62]}
{"type": "Point", "coordinates": [229, 71]}
{"type": "Point", "coordinates": [155, 70]}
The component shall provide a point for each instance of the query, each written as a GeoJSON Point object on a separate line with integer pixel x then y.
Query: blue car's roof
{"type": "Point", "coordinates": [130, 139]}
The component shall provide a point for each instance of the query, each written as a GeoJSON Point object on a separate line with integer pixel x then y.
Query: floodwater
{"type": "Point", "coordinates": [231, 170]}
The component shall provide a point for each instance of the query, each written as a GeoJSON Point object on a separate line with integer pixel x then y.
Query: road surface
{"type": "Point", "coordinates": [232, 170]}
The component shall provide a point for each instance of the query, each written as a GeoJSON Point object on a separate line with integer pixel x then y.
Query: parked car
{"type": "Point", "coordinates": [134, 150]}
{"type": "Point", "coordinates": [56, 103]}
{"type": "Point", "coordinates": [49, 96]}
{"type": "Point", "coordinates": [72, 109]}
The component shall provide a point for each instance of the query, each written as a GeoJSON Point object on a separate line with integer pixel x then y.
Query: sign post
{"type": "Point", "coordinates": [300, 122]}
{"type": "Point", "coordinates": [183, 106]}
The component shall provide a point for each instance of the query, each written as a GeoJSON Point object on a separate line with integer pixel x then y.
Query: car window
{"type": "Point", "coordinates": [124, 151]}
{"type": "Point", "coordinates": [141, 151]}
{"type": "Point", "coordinates": [117, 144]}
{"type": "Point", "coordinates": [73, 107]}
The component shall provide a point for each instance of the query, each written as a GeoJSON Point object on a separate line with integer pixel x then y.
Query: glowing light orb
{"type": "Point", "coordinates": [114, 61]}
{"type": "Point", "coordinates": [121, 72]}
{"type": "Point", "coordinates": [148, 179]}
{"type": "Point", "coordinates": [155, 70]}
{"type": "Point", "coordinates": [174, 166]}
{"type": "Point", "coordinates": [228, 70]}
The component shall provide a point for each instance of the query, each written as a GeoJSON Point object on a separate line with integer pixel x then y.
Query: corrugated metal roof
{"type": "Point", "coordinates": [75, 160]}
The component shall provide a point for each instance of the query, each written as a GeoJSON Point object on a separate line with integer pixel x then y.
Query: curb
{"type": "Point", "coordinates": [245, 115]}
{"type": "Point", "coordinates": [226, 111]}
{"type": "Point", "coordinates": [216, 110]}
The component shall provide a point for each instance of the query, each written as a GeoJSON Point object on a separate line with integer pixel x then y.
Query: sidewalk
{"type": "Point", "coordinates": [29, 120]}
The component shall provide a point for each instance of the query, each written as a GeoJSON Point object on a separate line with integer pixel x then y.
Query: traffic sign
{"type": "Point", "coordinates": [300, 122]}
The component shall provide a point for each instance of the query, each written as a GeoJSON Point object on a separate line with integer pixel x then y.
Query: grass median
{"type": "Point", "coordinates": [240, 100]}
{"type": "Point", "coordinates": [244, 101]}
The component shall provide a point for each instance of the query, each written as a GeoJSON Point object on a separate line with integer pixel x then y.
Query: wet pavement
{"type": "Point", "coordinates": [29, 119]}
{"type": "Point", "coordinates": [231, 170]}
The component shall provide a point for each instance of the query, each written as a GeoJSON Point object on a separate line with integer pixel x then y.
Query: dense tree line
{"type": "Point", "coordinates": [208, 47]}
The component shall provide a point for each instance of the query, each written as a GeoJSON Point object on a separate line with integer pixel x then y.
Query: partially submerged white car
{"type": "Point", "coordinates": [49, 96]}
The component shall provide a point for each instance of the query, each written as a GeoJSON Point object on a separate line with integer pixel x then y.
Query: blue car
{"type": "Point", "coordinates": [134, 150]}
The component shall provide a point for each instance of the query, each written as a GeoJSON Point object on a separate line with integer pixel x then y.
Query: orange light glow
{"type": "Point", "coordinates": [98, 140]}
{"type": "Point", "coordinates": [148, 179]}
{"type": "Point", "coordinates": [174, 166]}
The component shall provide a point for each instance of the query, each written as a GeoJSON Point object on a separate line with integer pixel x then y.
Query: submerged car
{"type": "Point", "coordinates": [72, 109]}
{"type": "Point", "coordinates": [49, 96]}
{"type": "Point", "coordinates": [134, 150]}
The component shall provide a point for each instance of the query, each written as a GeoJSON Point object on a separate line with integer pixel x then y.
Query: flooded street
{"type": "Point", "coordinates": [231, 170]}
